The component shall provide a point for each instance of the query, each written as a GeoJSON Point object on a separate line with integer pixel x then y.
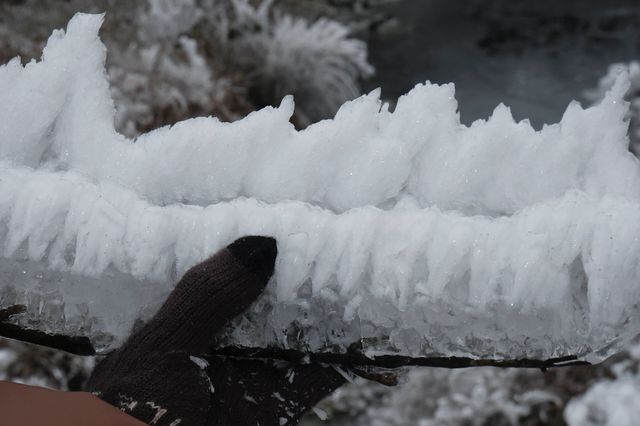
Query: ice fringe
{"type": "Point", "coordinates": [433, 238]}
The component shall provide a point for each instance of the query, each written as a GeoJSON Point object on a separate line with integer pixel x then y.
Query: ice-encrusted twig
{"type": "Point", "coordinates": [493, 240]}
{"type": "Point", "coordinates": [80, 345]}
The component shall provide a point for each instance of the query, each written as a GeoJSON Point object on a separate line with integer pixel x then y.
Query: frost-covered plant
{"type": "Point", "coordinates": [276, 53]}
{"type": "Point", "coordinates": [633, 96]}
{"type": "Point", "coordinates": [174, 59]}
{"type": "Point", "coordinates": [158, 74]}
{"type": "Point", "coordinates": [363, 17]}
{"type": "Point", "coordinates": [167, 19]}
{"type": "Point", "coordinates": [39, 366]}
{"type": "Point", "coordinates": [607, 403]}
{"type": "Point", "coordinates": [317, 61]}
{"type": "Point", "coordinates": [155, 81]}
{"type": "Point", "coordinates": [606, 394]}
{"type": "Point", "coordinates": [441, 397]}
{"type": "Point", "coordinates": [26, 25]}
{"type": "Point", "coordinates": [613, 401]}
{"type": "Point", "coordinates": [161, 75]}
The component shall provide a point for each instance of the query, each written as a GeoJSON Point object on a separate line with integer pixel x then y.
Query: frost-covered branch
{"type": "Point", "coordinates": [394, 229]}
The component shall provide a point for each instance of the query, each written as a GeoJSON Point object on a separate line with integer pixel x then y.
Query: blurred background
{"type": "Point", "coordinates": [170, 60]}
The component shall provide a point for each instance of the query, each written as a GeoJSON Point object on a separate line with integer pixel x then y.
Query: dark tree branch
{"type": "Point", "coordinates": [353, 358]}
{"type": "Point", "coordinates": [357, 359]}
{"type": "Point", "coordinates": [79, 345]}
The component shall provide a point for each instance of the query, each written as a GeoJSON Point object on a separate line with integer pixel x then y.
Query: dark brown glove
{"type": "Point", "coordinates": [154, 377]}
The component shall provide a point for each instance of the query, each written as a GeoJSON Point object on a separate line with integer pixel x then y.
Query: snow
{"type": "Point", "coordinates": [614, 400]}
{"type": "Point", "coordinates": [607, 81]}
{"type": "Point", "coordinates": [493, 240]}
{"type": "Point", "coordinates": [607, 403]}
{"type": "Point", "coordinates": [445, 397]}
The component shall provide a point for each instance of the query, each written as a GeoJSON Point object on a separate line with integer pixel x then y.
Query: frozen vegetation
{"type": "Point", "coordinates": [174, 59]}
{"type": "Point", "coordinates": [425, 236]}
{"type": "Point", "coordinates": [39, 366]}
{"type": "Point", "coordinates": [614, 401]}
{"type": "Point", "coordinates": [442, 397]}
{"type": "Point", "coordinates": [607, 403]}
{"type": "Point", "coordinates": [601, 395]}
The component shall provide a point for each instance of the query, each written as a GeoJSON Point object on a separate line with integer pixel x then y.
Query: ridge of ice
{"type": "Point", "coordinates": [490, 240]}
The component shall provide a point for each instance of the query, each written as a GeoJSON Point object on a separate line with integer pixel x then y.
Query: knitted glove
{"type": "Point", "coordinates": [155, 378]}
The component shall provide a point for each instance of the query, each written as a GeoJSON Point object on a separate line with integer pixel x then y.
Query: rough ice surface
{"type": "Point", "coordinates": [406, 229]}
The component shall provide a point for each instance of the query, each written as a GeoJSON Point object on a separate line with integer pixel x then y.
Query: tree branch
{"type": "Point", "coordinates": [79, 345]}
{"type": "Point", "coordinates": [352, 358]}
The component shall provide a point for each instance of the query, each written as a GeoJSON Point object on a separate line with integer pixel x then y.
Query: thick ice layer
{"type": "Point", "coordinates": [423, 236]}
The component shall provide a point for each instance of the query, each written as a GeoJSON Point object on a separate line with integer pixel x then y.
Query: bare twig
{"type": "Point", "coordinates": [355, 359]}
{"type": "Point", "coordinates": [79, 345]}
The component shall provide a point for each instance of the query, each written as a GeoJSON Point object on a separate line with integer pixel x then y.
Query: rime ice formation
{"type": "Point", "coordinates": [407, 229]}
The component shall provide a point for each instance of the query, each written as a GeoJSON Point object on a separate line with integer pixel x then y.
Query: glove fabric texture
{"type": "Point", "coordinates": [156, 377]}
